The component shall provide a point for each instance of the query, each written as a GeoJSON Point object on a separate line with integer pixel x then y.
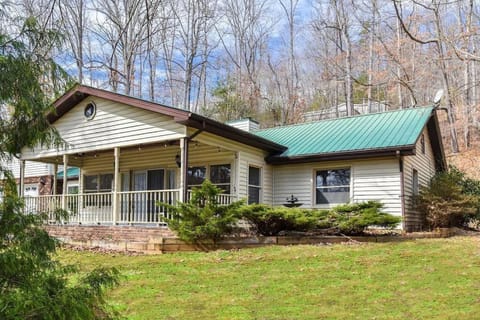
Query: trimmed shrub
{"type": "Point", "coordinates": [203, 218]}
{"type": "Point", "coordinates": [355, 218]}
{"type": "Point", "coordinates": [451, 200]}
{"type": "Point", "coordinates": [347, 219]}
{"type": "Point", "coordinates": [269, 221]}
{"type": "Point", "coordinates": [469, 186]}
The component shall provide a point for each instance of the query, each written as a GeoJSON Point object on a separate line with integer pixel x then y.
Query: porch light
{"type": "Point", "coordinates": [178, 161]}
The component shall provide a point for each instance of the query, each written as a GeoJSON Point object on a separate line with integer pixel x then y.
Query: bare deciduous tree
{"type": "Point", "coordinates": [74, 22]}
{"type": "Point", "coordinates": [244, 39]}
{"type": "Point", "coordinates": [437, 39]}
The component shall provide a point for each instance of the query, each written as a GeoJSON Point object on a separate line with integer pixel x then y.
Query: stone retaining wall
{"type": "Point", "coordinates": [130, 238]}
{"type": "Point", "coordinates": [161, 239]}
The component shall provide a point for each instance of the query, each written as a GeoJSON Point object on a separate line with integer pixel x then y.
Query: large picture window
{"type": "Point", "coordinates": [196, 176]}
{"type": "Point", "coordinates": [219, 175]}
{"type": "Point", "coordinates": [98, 183]}
{"type": "Point", "coordinates": [333, 186]}
{"type": "Point", "coordinates": [95, 184]}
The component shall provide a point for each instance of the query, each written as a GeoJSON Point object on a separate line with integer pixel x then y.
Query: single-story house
{"type": "Point", "coordinates": [132, 153]}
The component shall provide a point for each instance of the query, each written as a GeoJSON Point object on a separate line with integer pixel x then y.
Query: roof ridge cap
{"type": "Point", "coordinates": [342, 118]}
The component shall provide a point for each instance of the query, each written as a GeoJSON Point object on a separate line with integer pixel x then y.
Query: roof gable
{"type": "Point", "coordinates": [370, 135]}
{"type": "Point", "coordinates": [394, 130]}
{"type": "Point", "coordinates": [80, 92]}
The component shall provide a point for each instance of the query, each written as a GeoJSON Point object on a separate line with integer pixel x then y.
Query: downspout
{"type": "Point", "coordinates": [185, 169]}
{"type": "Point", "coordinates": [402, 188]}
{"type": "Point", "coordinates": [184, 162]}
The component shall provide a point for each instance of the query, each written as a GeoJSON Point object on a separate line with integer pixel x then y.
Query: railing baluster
{"type": "Point", "coordinates": [137, 207]}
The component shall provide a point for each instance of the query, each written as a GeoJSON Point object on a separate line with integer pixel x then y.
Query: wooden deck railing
{"type": "Point", "coordinates": [132, 207]}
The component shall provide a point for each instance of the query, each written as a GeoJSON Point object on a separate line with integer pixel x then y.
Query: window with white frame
{"type": "Point", "coordinates": [72, 189]}
{"type": "Point", "coordinates": [332, 186]}
{"type": "Point", "coordinates": [30, 190]}
{"type": "Point", "coordinates": [422, 144]}
{"type": "Point", "coordinates": [254, 184]}
{"type": "Point", "coordinates": [98, 183]}
{"type": "Point", "coordinates": [219, 175]}
{"type": "Point", "coordinates": [415, 187]}
{"type": "Point", "coordinates": [196, 176]}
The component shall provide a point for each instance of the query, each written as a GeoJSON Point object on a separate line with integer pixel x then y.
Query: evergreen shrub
{"type": "Point", "coordinates": [202, 217]}
{"type": "Point", "coordinates": [451, 200]}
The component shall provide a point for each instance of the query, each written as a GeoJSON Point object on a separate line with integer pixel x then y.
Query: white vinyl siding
{"type": "Point", "coordinates": [424, 164]}
{"type": "Point", "coordinates": [376, 179]}
{"type": "Point", "coordinates": [32, 168]}
{"type": "Point", "coordinates": [155, 157]}
{"type": "Point", "coordinates": [159, 156]}
{"type": "Point", "coordinates": [244, 124]}
{"type": "Point", "coordinates": [245, 156]}
{"type": "Point", "coordinates": [379, 180]}
{"type": "Point", "coordinates": [296, 179]}
{"type": "Point", "coordinates": [114, 125]}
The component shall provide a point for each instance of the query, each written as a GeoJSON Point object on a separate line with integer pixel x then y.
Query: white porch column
{"type": "Point", "coordinates": [65, 189]}
{"type": "Point", "coordinates": [80, 180]}
{"type": "Point", "coordinates": [55, 171]}
{"type": "Point", "coordinates": [80, 194]}
{"type": "Point", "coordinates": [116, 185]}
{"type": "Point", "coordinates": [22, 178]}
{"type": "Point", "coordinates": [183, 169]}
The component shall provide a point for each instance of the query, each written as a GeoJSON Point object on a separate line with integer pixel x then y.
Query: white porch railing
{"type": "Point", "coordinates": [90, 208]}
{"type": "Point", "coordinates": [43, 204]}
{"type": "Point", "coordinates": [142, 206]}
{"type": "Point", "coordinates": [223, 199]}
{"type": "Point", "coordinates": [133, 207]}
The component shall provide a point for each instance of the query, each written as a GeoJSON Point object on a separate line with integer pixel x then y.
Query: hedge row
{"type": "Point", "coordinates": [203, 218]}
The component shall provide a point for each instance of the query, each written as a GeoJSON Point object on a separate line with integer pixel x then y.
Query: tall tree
{"type": "Point", "coordinates": [195, 20]}
{"type": "Point", "coordinates": [285, 71]}
{"type": "Point", "coordinates": [74, 21]}
{"type": "Point", "coordinates": [335, 22]}
{"type": "Point", "coordinates": [244, 36]}
{"type": "Point", "coordinates": [123, 28]}
{"type": "Point", "coordinates": [32, 284]}
{"type": "Point", "coordinates": [438, 40]}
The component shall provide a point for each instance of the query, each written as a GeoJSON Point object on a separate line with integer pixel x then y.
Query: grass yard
{"type": "Point", "coordinates": [422, 279]}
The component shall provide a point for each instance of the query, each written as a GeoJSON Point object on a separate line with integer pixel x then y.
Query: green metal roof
{"type": "Point", "coordinates": [71, 173]}
{"type": "Point", "coordinates": [378, 131]}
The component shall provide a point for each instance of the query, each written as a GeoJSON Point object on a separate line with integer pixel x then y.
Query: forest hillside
{"type": "Point", "coordinates": [274, 60]}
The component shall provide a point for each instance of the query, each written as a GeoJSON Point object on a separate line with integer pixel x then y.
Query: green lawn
{"type": "Point", "coordinates": [422, 279]}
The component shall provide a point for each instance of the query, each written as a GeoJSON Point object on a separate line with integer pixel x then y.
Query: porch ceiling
{"type": "Point", "coordinates": [77, 159]}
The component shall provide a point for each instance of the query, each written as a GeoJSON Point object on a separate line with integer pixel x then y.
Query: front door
{"type": "Point", "coordinates": [140, 199]}
{"type": "Point", "coordinates": [144, 201]}
{"type": "Point", "coordinates": [155, 181]}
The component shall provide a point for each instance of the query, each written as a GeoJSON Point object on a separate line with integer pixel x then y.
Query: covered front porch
{"type": "Point", "coordinates": [132, 154]}
{"type": "Point", "coordinates": [125, 185]}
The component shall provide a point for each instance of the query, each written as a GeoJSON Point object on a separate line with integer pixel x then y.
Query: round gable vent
{"type": "Point", "coordinates": [90, 110]}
